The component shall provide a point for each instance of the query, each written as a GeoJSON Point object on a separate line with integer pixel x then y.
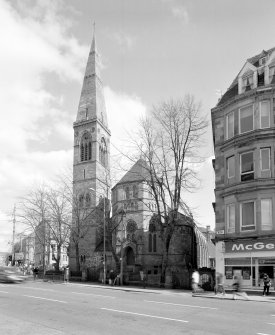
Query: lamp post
{"type": "Point", "coordinates": [123, 213]}
{"type": "Point", "coordinates": [104, 237]}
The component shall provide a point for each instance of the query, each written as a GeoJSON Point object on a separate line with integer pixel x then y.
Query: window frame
{"type": "Point", "coordinates": [269, 114]}
{"type": "Point", "coordinates": [269, 158]}
{"type": "Point", "coordinates": [229, 229]}
{"type": "Point", "coordinates": [266, 227]}
{"type": "Point", "coordinates": [248, 172]}
{"type": "Point", "coordinates": [227, 125]}
{"type": "Point", "coordinates": [241, 217]}
{"type": "Point", "coordinates": [253, 119]}
{"type": "Point", "coordinates": [227, 167]}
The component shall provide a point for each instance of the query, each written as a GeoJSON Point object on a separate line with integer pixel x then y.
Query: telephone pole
{"type": "Point", "coordinates": [13, 235]}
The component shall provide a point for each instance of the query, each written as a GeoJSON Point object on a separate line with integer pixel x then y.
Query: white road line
{"type": "Point", "coordinates": [146, 315]}
{"type": "Point", "coordinates": [273, 324]}
{"type": "Point", "coordinates": [32, 296]}
{"type": "Point", "coordinates": [262, 334]}
{"type": "Point", "coordinates": [4, 292]}
{"type": "Point", "coordinates": [95, 295]}
{"type": "Point", "coordinates": [40, 289]}
{"type": "Point", "coordinates": [170, 303]}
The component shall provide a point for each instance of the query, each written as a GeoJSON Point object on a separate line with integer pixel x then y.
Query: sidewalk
{"type": "Point", "coordinates": [227, 296]}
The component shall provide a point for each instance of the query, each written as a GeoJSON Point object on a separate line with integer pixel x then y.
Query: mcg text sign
{"type": "Point", "coordinates": [248, 246]}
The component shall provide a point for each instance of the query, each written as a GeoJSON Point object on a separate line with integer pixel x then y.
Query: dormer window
{"type": "Point", "coordinates": [247, 83]}
{"type": "Point", "coordinates": [272, 74]}
{"type": "Point", "coordinates": [262, 61]}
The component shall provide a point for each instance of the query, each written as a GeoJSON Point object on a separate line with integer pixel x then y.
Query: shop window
{"type": "Point", "coordinates": [230, 165]}
{"type": "Point", "coordinates": [266, 214]}
{"type": "Point", "coordinates": [247, 166]}
{"type": "Point", "coordinates": [248, 216]}
{"type": "Point", "coordinates": [265, 114]}
{"type": "Point", "coordinates": [230, 218]}
{"type": "Point", "coordinates": [265, 159]}
{"type": "Point", "coordinates": [246, 119]}
{"type": "Point", "coordinates": [230, 125]}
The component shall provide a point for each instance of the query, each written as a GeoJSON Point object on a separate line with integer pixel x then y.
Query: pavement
{"type": "Point", "coordinates": [253, 295]}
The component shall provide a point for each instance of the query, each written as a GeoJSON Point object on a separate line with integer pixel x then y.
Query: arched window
{"type": "Point", "coordinates": [81, 200]}
{"type": "Point", "coordinates": [127, 191]}
{"type": "Point", "coordinates": [86, 148]}
{"type": "Point", "coordinates": [103, 152]}
{"type": "Point", "coordinates": [154, 242]}
{"type": "Point", "coordinates": [88, 200]}
{"type": "Point", "coordinates": [150, 243]}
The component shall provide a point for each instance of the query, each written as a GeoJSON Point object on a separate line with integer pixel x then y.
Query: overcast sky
{"type": "Point", "coordinates": [151, 50]}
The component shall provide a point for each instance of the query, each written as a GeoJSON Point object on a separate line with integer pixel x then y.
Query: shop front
{"type": "Point", "coordinates": [250, 259]}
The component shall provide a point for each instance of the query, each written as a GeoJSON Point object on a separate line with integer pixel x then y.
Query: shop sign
{"type": "Point", "coordinates": [248, 246]}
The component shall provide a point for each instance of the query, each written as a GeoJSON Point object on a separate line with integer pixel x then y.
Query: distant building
{"type": "Point", "coordinates": [243, 125]}
{"type": "Point", "coordinates": [27, 249]}
{"type": "Point", "coordinates": [4, 258]}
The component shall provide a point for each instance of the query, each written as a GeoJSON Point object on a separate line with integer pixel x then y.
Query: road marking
{"type": "Point", "coordinates": [96, 295]}
{"type": "Point", "coordinates": [32, 296]}
{"type": "Point", "coordinates": [170, 303]}
{"type": "Point", "coordinates": [262, 334]}
{"type": "Point", "coordinates": [4, 292]}
{"type": "Point", "coordinates": [40, 289]}
{"type": "Point", "coordinates": [273, 324]}
{"type": "Point", "coordinates": [147, 315]}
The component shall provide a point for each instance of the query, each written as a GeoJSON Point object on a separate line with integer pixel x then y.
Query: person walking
{"type": "Point", "coordinates": [219, 284]}
{"type": "Point", "coordinates": [237, 288]}
{"type": "Point", "coordinates": [195, 281]}
{"type": "Point", "coordinates": [112, 277]}
{"type": "Point", "coordinates": [267, 283]}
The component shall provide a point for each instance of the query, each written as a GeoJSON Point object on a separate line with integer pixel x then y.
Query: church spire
{"type": "Point", "coordinates": [92, 102]}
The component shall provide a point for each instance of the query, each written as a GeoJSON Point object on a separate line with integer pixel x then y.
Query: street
{"type": "Point", "coordinates": [56, 308]}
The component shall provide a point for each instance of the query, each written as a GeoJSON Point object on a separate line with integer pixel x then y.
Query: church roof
{"type": "Point", "coordinates": [92, 101]}
{"type": "Point", "coordinates": [138, 172]}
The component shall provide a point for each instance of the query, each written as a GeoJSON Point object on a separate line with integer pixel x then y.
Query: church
{"type": "Point", "coordinates": [131, 245]}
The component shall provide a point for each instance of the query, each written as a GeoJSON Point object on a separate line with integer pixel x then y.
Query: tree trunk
{"type": "Point", "coordinates": [77, 257]}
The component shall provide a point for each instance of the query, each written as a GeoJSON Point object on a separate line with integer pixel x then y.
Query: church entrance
{"type": "Point", "coordinates": [130, 256]}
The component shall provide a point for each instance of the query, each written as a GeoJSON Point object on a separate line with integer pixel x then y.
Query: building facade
{"type": "Point", "coordinates": [243, 125]}
{"type": "Point", "coordinates": [138, 235]}
{"type": "Point", "coordinates": [91, 160]}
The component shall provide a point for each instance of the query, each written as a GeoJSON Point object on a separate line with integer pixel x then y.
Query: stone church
{"type": "Point", "coordinates": [136, 238]}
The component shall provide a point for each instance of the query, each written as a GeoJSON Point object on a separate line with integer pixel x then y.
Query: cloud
{"type": "Point", "coordinates": [37, 50]}
{"type": "Point", "coordinates": [125, 41]}
{"type": "Point", "coordinates": [181, 13]}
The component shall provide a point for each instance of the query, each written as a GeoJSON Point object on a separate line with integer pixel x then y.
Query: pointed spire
{"type": "Point", "coordinates": [92, 102]}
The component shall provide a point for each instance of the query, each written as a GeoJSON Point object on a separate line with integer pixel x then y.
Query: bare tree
{"type": "Point", "coordinates": [169, 142]}
{"type": "Point", "coordinates": [47, 212]}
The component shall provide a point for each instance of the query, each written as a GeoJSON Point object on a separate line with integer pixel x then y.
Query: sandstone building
{"type": "Point", "coordinates": [243, 125]}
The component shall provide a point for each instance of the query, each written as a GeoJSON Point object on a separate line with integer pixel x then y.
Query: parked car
{"type": "Point", "coordinates": [10, 274]}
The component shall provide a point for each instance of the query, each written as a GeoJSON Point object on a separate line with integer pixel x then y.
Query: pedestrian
{"type": "Point", "coordinates": [195, 281]}
{"type": "Point", "coordinates": [66, 274]}
{"type": "Point", "coordinates": [112, 277]}
{"type": "Point", "coordinates": [267, 284]}
{"type": "Point", "coordinates": [219, 284]}
{"type": "Point", "coordinates": [35, 272]}
{"type": "Point", "coordinates": [237, 288]}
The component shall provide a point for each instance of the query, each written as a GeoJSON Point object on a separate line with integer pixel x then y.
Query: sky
{"type": "Point", "coordinates": [151, 51]}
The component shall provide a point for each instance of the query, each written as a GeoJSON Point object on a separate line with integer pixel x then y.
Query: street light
{"type": "Point", "coordinates": [123, 214]}
{"type": "Point", "coordinates": [104, 242]}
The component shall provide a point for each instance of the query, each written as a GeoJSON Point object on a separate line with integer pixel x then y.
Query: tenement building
{"type": "Point", "coordinates": [243, 125]}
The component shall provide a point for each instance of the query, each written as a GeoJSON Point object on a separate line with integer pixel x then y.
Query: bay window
{"type": "Point", "coordinates": [247, 166]}
{"type": "Point", "coordinates": [248, 216]}
{"type": "Point", "coordinates": [230, 166]}
{"type": "Point", "coordinates": [265, 114]}
{"type": "Point", "coordinates": [265, 159]}
{"type": "Point", "coordinates": [266, 214]}
{"type": "Point", "coordinates": [230, 218]}
{"type": "Point", "coordinates": [246, 119]}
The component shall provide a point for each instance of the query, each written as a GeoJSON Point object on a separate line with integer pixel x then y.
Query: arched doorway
{"type": "Point", "coordinates": [130, 256]}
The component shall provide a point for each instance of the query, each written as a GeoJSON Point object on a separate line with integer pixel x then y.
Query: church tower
{"type": "Point", "coordinates": [91, 148]}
